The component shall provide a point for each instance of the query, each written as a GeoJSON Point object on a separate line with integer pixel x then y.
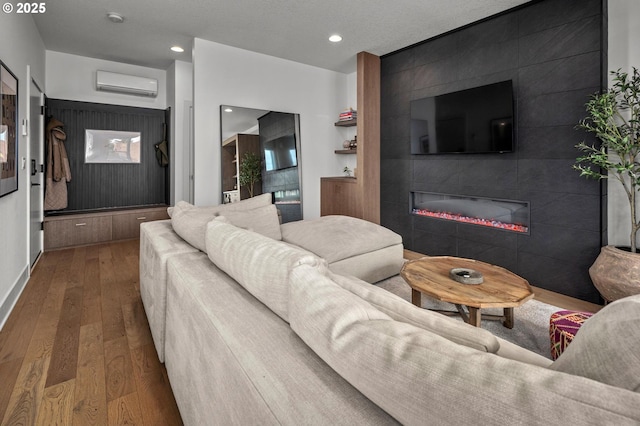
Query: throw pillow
{"type": "Point", "coordinates": [263, 220]}
{"type": "Point", "coordinates": [607, 346]}
{"type": "Point", "coordinates": [259, 264]}
{"type": "Point", "coordinates": [190, 221]}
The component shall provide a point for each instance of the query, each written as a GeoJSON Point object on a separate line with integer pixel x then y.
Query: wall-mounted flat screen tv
{"type": "Point", "coordinates": [280, 153]}
{"type": "Point", "coordinates": [477, 120]}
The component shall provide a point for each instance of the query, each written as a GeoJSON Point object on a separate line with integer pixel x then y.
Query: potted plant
{"type": "Point", "coordinates": [250, 171]}
{"type": "Point", "coordinates": [614, 118]}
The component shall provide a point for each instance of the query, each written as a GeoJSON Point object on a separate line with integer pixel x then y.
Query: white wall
{"type": "Point", "coordinates": [22, 46]}
{"type": "Point", "coordinates": [73, 77]}
{"type": "Point", "coordinates": [231, 76]}
{"type": "Point", "coordinates": [180, 99]}
{"type": "Point", "coordinates": [623, 52]}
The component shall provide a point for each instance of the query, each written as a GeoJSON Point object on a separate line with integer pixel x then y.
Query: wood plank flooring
{"type": "Point", "coordinates": [77, 349]}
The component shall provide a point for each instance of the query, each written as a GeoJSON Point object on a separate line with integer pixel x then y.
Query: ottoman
{"type": "Point", "coordinates": [563, 327]}
{"type": "Point", "coordinates": [350, 246]}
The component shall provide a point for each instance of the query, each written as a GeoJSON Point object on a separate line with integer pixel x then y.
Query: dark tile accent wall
{"type": "Point", "coordinates": [98, 186]}
{"type": "Point", "coordinates": [553, 52]}
{"type": "Point", "coordinates": [272, 126]}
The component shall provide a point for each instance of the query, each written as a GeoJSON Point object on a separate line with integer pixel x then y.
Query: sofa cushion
{"type": "Point", "coordinates": [377, 355]}
{"type": "Point", "coordinates": [416, 375]}
{"type": "Point", "coordinates": [260, 264]}
{"type": "Point", "coordinates": [190, 221]}
{"type": "Point", "coordinates": [263, 220]}
{"type": "Point", "coordinates": [607, 348]}
{"type": "Point", "coordinates": [374, 266]}
{"type": "Point", "coordinates": [401, 310]}
{"type": "Point", "coordinates": [249, 203]}
{"type": "Point", "coordinates": [455, 331]}
{"type": "Point", "coordinates": [158, 243]}
{"type": "Point", "coordinates": [338, 237]}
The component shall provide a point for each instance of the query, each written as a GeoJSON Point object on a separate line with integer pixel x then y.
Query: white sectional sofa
{"type": "Point", "coordinates": [258, 330]}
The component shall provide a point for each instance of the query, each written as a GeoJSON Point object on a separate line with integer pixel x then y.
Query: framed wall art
{"type": "Point", "coordinates": [8, 131]}
{"type": "Point", "coordinates": [111, 146]}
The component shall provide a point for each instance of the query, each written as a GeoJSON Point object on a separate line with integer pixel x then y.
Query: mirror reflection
{"type": "Point", "coordinates": [260, 154]}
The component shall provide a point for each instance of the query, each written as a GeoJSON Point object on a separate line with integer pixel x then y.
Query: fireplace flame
{"type": "Point", "coordinates": [492, 223]}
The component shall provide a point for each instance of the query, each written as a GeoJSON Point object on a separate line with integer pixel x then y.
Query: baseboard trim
{"type": "Point", "coordinates": [10, 301]}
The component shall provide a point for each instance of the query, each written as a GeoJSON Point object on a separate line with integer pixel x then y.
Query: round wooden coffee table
{"type": "Point", "coordinates": [500, 289]}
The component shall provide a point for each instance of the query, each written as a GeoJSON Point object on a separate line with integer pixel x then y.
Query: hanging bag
{"type": "Point", "coordinates": [162, 148]}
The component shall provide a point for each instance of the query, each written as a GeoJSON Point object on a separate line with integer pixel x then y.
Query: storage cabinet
{"type": "Point", "coordinates": [233, 150]}
{"type": "Point", "coordinates": [127, 225]}
{"type": "Point", "coordinates": [339, 195]}
{"type": "Point", "coordinates": [76, 230]}
{"type": "Point", "coordinates": [97, 227]}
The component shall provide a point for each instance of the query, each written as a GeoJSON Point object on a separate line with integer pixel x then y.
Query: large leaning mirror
{"type": "Point", "coordinates": [260, 153]}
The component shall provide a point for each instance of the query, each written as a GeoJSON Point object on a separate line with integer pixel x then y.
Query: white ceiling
{"type": "Point", "coordinates": [239, 120]}
{"type": "Point", "coordinates": [297, 30]}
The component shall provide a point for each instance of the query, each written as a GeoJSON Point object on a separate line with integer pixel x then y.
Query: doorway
{"type": "Point", "coordinates": [36, 166]}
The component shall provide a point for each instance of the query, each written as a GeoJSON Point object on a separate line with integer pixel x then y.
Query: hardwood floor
{"type": "Point", "coordinates": [77, 349]}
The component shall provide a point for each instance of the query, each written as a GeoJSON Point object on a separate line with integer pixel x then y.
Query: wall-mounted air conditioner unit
{"type": "Point", "coordinates": [122, 83]}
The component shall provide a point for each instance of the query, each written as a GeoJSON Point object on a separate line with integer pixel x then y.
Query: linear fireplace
{"type": "Point", "coordinates": [508, 215]}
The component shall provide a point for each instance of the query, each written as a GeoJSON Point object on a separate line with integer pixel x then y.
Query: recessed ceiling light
{"type": "Point", "coordinates": [115, 17]}
{"type": "Point", "coordinates": [228, 110]}
{"type": "Point", "coordinates": [177, 49]}
{"type": "Point", "coordinates": [335, 38]}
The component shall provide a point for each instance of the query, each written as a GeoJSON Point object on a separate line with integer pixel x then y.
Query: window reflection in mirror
{"type": "Point", "coordinates": [272, 136]}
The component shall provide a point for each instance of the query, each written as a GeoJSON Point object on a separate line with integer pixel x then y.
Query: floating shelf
{"type": "Point", "coordinates": [347, 123]}
{"type": "Point", "coordinates": [346, 151]}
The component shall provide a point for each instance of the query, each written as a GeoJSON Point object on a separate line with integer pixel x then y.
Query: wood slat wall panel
{"type": "Point", "coordinates": [96, 186]}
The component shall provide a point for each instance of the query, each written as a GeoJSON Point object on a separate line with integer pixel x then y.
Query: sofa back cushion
{"type": "Point", "coordinates": [388, 361]}
{"type": "Point", "coordinates": [401, 310]}
{"type": "Point", "coordinates": [415, 375]}
{"type": "Point", "coordinates": [263, 220]}
{"type": "Point", "coordinates": [259, 264]}
{"type": "Point", "coordinates": [607, 346]}
{"type": "Point", "coordinates": [190, 221]}
{"type": "Point", "coordinates": [249, 203]}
